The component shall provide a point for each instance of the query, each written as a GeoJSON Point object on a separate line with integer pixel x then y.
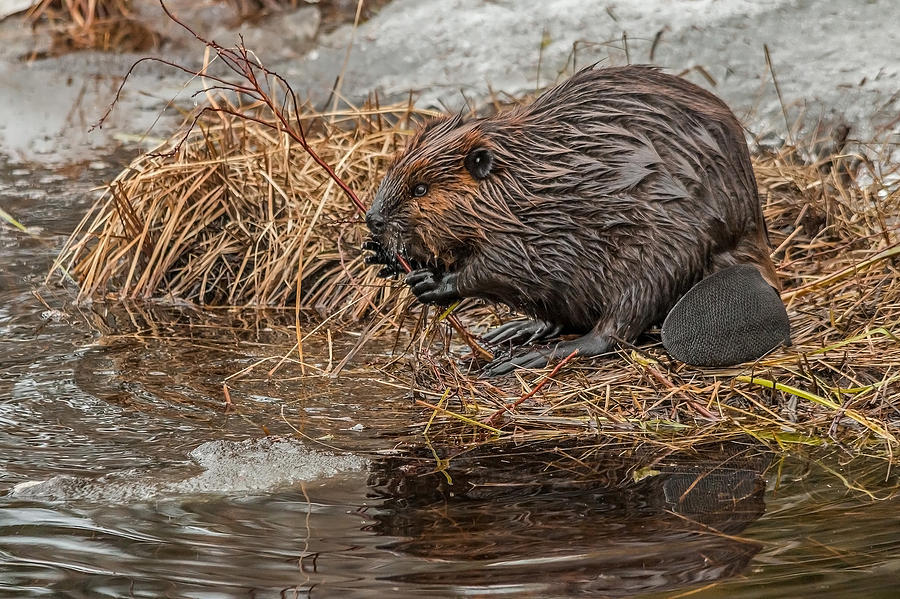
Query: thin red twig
{"type": "Point", "coordinates": [530, 394]}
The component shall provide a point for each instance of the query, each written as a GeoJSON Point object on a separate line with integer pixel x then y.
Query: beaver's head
{"type": "Point", "coordinates": [429, 205]}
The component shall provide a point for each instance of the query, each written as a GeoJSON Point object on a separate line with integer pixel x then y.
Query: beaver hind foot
{"type": "Point", "coordinates": [586, 346]}
{"type": "Point", "coordinates": [522, 332]}
{"type": "Point", "coordinates": [730, 317]}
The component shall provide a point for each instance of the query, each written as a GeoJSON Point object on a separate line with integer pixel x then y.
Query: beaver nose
{"type": "Point", "coordinates": [375, 222]}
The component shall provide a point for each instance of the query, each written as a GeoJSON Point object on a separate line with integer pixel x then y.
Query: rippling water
{"type": "Point", "coordinates": [123, 476]}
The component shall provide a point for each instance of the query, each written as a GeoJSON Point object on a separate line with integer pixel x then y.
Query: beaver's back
{"type": "Point", "coordinates": [629, 186]}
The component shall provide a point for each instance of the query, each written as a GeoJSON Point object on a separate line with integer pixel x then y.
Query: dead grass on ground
{"type": "Point", "coordinates": [238, 215]}
{"type": "Point", "coordinates": [92, 25]}
{"type": "Point", "coordinates": [112, 25]}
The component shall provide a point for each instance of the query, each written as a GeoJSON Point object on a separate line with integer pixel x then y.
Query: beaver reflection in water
{"type": "Point", "coordinates": [593, 210]}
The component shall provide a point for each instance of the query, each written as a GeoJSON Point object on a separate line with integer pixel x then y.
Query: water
{"type": "Point", "coordinates": [123, 475]}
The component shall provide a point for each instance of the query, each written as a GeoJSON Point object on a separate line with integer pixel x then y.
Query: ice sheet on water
{"type": "Point", "coordinates": [229, 467]}
{"type": "Point", "coordinates": [262, 464]}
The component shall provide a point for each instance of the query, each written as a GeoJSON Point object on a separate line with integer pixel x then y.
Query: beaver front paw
{"type": "Point", "coordinates": [433, 288]}
{"type": "Point", "coordinates": [384, 257]}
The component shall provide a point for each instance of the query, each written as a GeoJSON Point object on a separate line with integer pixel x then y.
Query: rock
{"type": "Point", "coordinates": [11, 7]}
{"type": "Point", "coordinates": [294, 31]}
{"type": "Point", "coordinates": [441, 49]}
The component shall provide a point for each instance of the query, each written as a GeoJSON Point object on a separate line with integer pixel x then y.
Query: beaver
{"type": "Point", "coordinates": [594, 210]}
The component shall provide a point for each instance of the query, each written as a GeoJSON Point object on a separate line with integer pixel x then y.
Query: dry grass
{"type": "Point", "coordinates": [93, 24]}
{"type": "Point", "coordinates": [111, 25]}
{"type": "Point", "coordinates": [239, 215]}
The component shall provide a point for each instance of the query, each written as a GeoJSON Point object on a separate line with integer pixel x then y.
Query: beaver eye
{"type": "Point", "coordinates": [419, 190]}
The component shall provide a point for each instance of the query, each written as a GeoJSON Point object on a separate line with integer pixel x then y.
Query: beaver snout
{"type": "Point", "coordinates": [382, 251]}
{"type": "Point", "coordinates": [375, 221]}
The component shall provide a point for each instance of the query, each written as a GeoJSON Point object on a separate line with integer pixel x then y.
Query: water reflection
{"type": "Point", "coordinates": [589, 521]}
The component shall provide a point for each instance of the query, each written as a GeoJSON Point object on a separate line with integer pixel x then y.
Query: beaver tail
{"type": "Point", "coordinates": [730, 317]}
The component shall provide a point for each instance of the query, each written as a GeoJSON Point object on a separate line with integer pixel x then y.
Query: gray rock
{"type": "Point", "coordinates": [833, 60]}
{"type": "Point", "coordinates": [11, 7]}
{"type": "Point", "coordinates": [279, 36]}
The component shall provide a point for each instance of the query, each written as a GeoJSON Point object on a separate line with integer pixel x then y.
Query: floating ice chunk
{"type": "Point", "coordinates": [229, 467]}
{"type": "Point", "coordinates": [261, 464]}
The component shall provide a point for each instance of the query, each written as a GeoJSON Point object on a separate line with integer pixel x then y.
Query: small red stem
{"type": "Point", "coordinates": [531, 393]}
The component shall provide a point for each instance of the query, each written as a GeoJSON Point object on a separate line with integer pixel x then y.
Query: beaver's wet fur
{"type": "Point", "coordinates": [591, 210]}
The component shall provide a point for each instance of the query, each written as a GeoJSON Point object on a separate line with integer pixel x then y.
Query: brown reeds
{"type": "Point", "coordinates": [240, 211]}
{"type": "Point", "coordinates": [93, 24]}
{"type": "Point", "coordinates": [238, 215]}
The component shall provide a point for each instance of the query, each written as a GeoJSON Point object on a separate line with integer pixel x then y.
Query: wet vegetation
{"type": "Point", "coordinates": [240, 209]}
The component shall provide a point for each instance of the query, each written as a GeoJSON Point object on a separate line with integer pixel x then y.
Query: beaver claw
{"type": "Point", "coordinates": [433, 288]}
{"type": "Point", "coordinates": [522, 332]}
{"type": "Point", "coordinates": [587, 346]}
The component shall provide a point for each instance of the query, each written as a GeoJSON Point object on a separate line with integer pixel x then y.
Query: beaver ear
{"type": "Point", "coordinates": [479, 163]}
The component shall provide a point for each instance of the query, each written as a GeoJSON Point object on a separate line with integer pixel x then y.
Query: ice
{"type": "Point", "coordinates": [229, 467]}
